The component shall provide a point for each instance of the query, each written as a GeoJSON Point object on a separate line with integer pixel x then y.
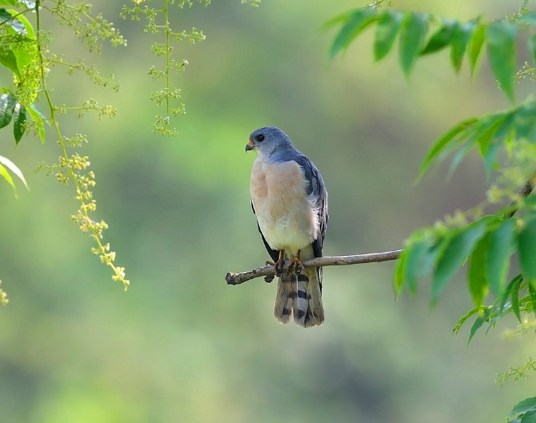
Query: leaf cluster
{"type": "Point", "coordinates": [488, 239]}
{"type": "Point", "coordinates": [505, 140]}
{"type": "Point", "coordinates": [158, 23]}
{"type": "Point", "coordinates": [517, 373]}
{"type": "Point", "coordinates": [487, 245]}
{"type": "Point", "coordinates": [25, 54]}
{"type": "Point", "coordinates": [421, 34]}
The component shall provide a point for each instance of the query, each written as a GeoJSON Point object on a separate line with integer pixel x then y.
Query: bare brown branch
{"type": "Point", "coordinates": [268, 270]}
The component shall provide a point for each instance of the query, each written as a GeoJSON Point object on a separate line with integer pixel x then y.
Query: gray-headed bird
{"type": "Point", "coordinates": [290, 201]}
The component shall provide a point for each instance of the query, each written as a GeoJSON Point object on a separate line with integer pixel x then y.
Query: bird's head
{"type": "Point", "coordinates": [268, 140]}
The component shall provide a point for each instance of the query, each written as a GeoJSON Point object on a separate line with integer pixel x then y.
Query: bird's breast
{"type": "Point", "coordinates": [285, 213]}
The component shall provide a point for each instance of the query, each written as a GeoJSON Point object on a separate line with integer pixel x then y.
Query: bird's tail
{"type": "Point", "coordinates": [300, 295]}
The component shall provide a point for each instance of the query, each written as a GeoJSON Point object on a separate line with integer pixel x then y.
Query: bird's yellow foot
{"type": "Point", "coordinates": [296, 265]}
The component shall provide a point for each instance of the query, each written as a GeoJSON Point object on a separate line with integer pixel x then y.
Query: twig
{"type": "Point", "coordinates": [268, 270]}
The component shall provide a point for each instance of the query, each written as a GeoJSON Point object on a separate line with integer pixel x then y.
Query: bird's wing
{"type": "Point", "coordinates": [274, 254]}
{"type": "Point", "coordinates": [317, 191]}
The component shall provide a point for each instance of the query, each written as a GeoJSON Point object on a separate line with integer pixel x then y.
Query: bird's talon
{"type": "Point", "coordinates": [296, 266]}
{"type": "Point", "coordinates": [279, 267]}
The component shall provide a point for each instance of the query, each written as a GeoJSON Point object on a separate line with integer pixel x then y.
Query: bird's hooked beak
{"type": "Point", "coordinates": [250, 146]}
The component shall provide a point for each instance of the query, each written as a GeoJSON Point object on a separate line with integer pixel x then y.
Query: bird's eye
{"type": "Point", "coordinates": [259, 137]}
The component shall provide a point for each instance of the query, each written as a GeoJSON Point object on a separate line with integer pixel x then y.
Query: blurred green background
{"type": "Point", "coordinates": [182, 346]}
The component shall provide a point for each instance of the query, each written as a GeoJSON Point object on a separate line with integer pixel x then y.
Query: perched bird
{"type": "Point", "coordinates": [290, 202]}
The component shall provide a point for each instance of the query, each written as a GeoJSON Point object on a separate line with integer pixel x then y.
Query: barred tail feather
{"type": "Point", "coordinates": [300, 296]}
{"type": "Point", "coordinates": [284, 298]}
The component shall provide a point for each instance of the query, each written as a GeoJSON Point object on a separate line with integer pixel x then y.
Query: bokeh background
{"type": "Point", "coordinates": [182, 346]}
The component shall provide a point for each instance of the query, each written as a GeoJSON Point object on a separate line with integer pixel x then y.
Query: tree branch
{"type": "Point", "coordinates": [268, 270]}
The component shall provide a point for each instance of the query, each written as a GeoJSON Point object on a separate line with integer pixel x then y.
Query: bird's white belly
{"type": "Point", "coordinates": [285, 213]}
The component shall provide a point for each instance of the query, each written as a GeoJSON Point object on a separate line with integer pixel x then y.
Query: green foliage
{"type": "Point", "coordinates": [504, 140]}
{"type": "Point", "coordinates": [488, 134]}
{"type": "Point", "coordinates": [412, 35]}
{"type": "Point", "coordinates": [25, 53]}
{"type": "Point", "coordinates": [517, 373]}
{"type": "Point", "coordinates": [465, 39]}
{"type": "Point", "coordinates": [524, 411]}
{"type": "Point", "coordinates": [7, 165]}
{"type": "Point", "coordinates": [484, 241]}
{"type": "Point", "coordinates": [501, 40]}
{"type": "Point", "coordinates": [157, 22]}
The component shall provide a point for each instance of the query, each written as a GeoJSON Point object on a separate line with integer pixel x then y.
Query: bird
{"type": "Point", "coordinates": [290, 202]}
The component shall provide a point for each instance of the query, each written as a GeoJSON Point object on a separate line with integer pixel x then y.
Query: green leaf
{"type": "Point", "coordinates": [38, 120]}
{"type": "Point", "coordinates": [512, 286]}
{"type": "Point", "coordinates": [479, 322]}
{"type": "Point", "coordinates": [6, 163]}
{"type": "Point", "coordinates": [25, 57]}
{"type": "Point", "coordinates": [527, 249]}
{"type": "Point", "coordinates": [500, 130]}
{"type": "Point", "coordinates": [416, 263]}
{"type": "Point", "coordinates": [5, 174]}
{"type": "Point", "coordinates": [355, 24]}
{"type": "Point", "coordinates": [441, 38]}
{"type": "Point", "coordinates": [9, 61]}
{"type": "Point", "coordinates": [412, 35]}
{"type": "Point", "coordinates": [460, 40]}
{"type": "Point", "coordinates": [514, 294]}
{"type": "Point", "coordinates": [461, 321]}
{"type": "Point", "coordinates": [475, 46]}
{"type": "Point", "coordinates": [525, 406]}
{"type": "Point", "coordinates": [338, 20]}
{"type": "Point", "coordinates": [532, 295]}
{"type": "Point", "coordinates": [529, 417]}
{"type": "Point", "coordinates": [10, 2]}
{"type": "Point", "coordinates": [498, 258]}
{"type": "Point", "coordinates": [7, 104]}
{"type": "Point", "coordinates": [462, 152]}
{"type": "Point", "coordinates": [27, 29]}
{"type": "Point", "coordinates": [7, 18]}
{"type": "Point", "coordinates": [442, 144]}
{"type": "Point", "coordinates": [490, 158]}
{"type": "Point", "coordinates": [456, 250]}
{"type": "Point", "coordinates": [386, 31]}
{"type": "Point", "coordinates": [478, 282]}
{"type": "Point", "coordinates": [524, 120]}
{"type": "Point", "coordinates": [400, 272]}
{"type": "Point", "coordinates": [501, 38]}
{"type": "Point", "coordinates": [486, 130]}
{"type": "Point", "coordinates": [19, 121]}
